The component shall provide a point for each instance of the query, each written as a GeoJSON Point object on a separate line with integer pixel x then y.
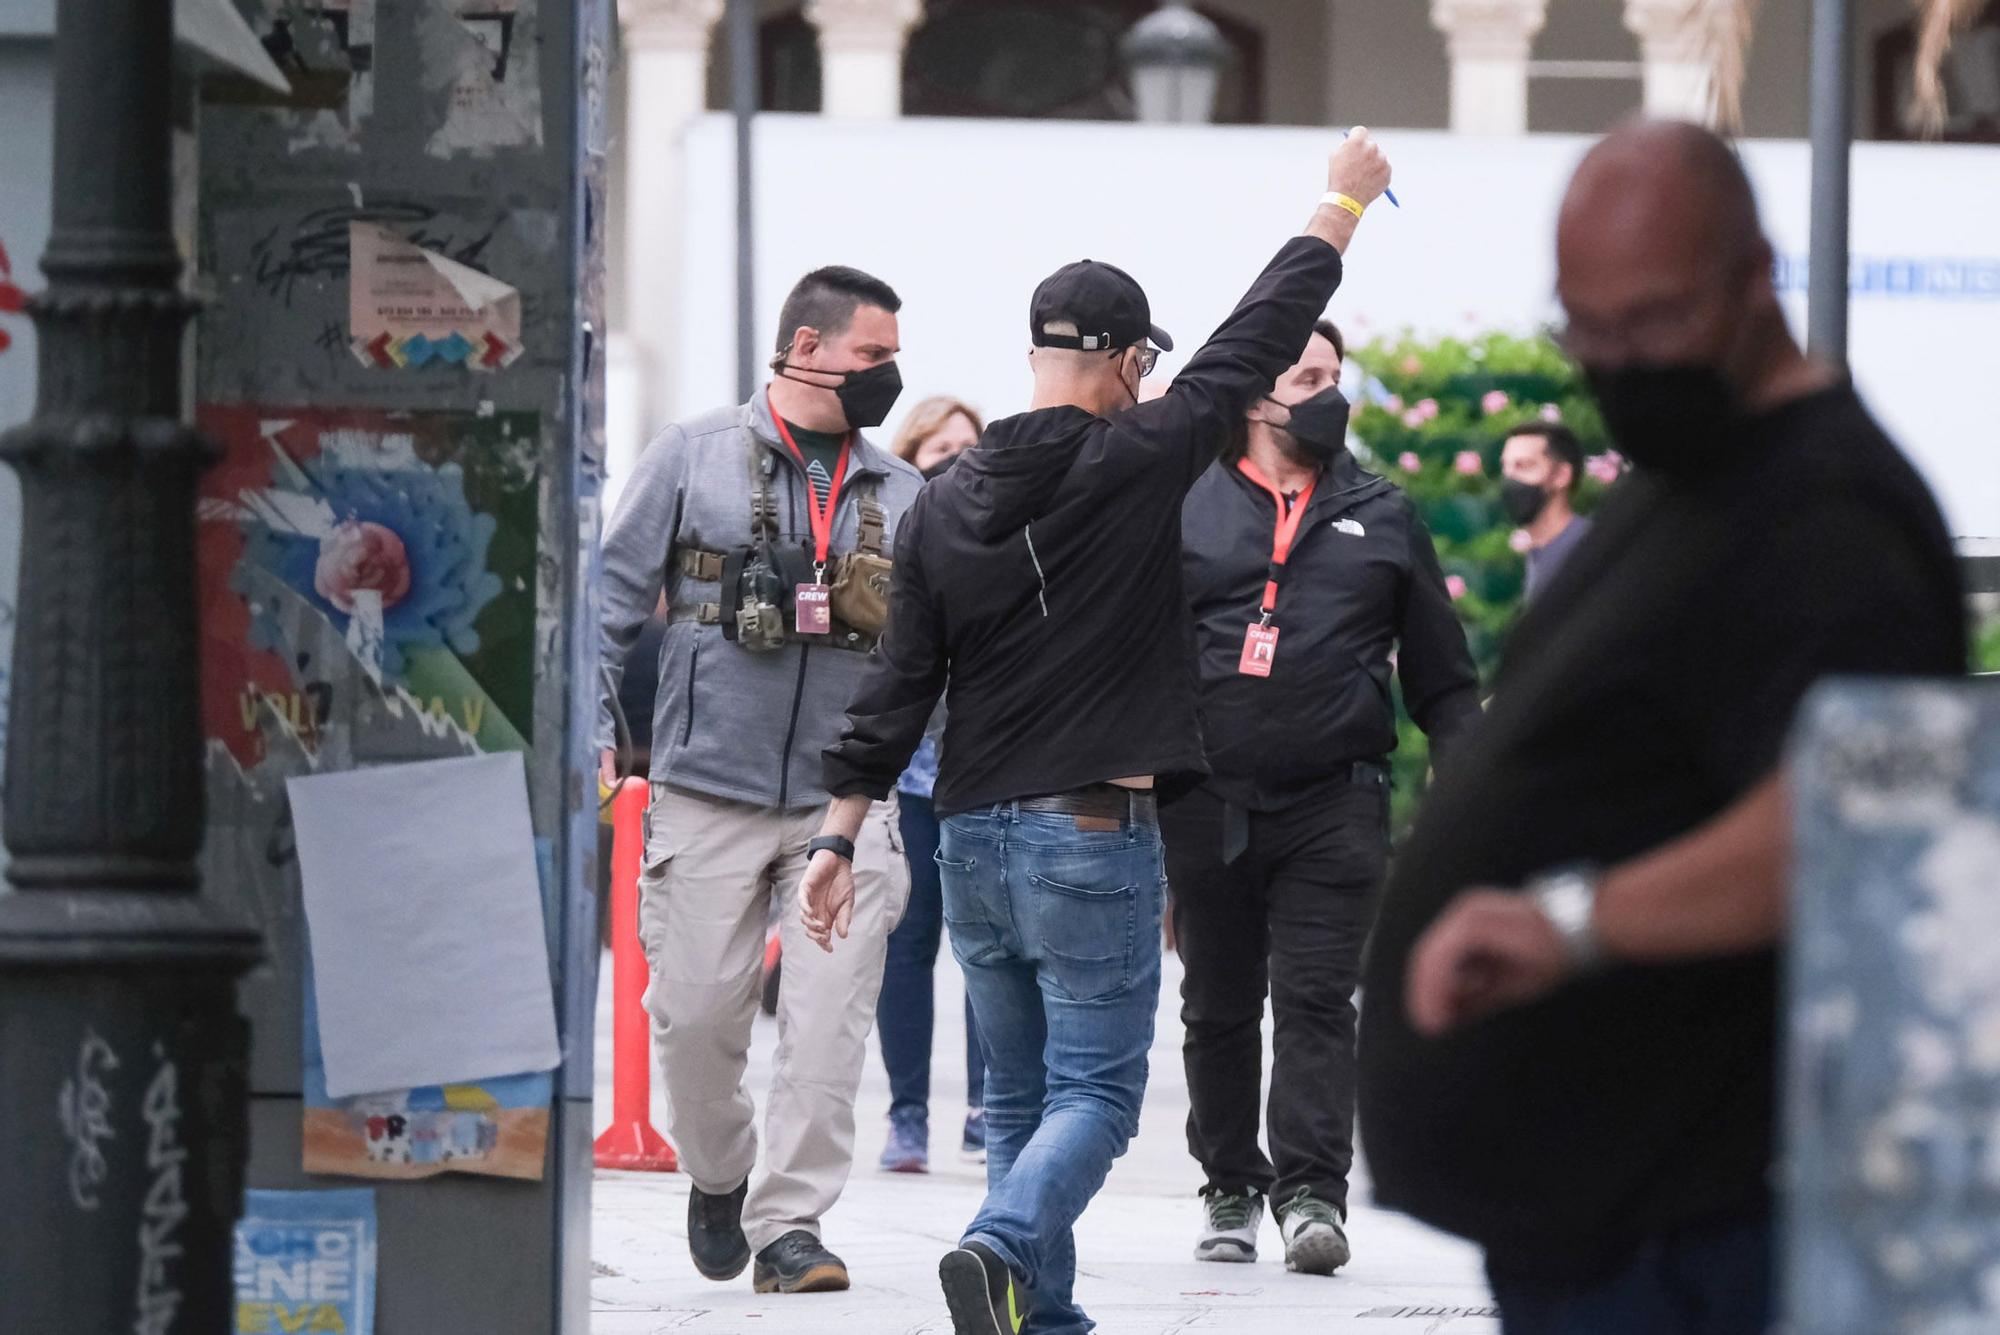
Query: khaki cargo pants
{"type": "Point", "coordinates": [712, 867]}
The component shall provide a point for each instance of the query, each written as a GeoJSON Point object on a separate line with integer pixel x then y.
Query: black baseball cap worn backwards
{"type": "Point", "coordinates": [1106, 304]}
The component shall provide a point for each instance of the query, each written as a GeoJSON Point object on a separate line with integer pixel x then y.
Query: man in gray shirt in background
{"type": "Point", "coordinates": [1541, 464]}
{"type": "Point", "coordinates": [768, 525]}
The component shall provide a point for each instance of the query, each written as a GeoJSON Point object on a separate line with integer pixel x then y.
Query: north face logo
{"type": "Point", "coordinates": [1351, 527]}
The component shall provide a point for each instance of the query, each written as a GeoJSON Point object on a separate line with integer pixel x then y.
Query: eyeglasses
{"type": "Point", "coordinates": [1655, 332]}
{"type": "Point", "coordinates": [1149, 357]}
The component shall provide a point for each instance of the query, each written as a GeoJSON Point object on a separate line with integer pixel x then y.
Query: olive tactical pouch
{"type": "Point", "coordinates": [862, 578]}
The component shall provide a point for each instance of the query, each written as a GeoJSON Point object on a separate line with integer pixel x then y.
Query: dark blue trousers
{"type": "Point", "coordinates": [906, 1014]}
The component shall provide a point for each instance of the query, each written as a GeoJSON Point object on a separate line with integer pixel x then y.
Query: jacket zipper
{"type": "Point", "coordinates": [1363, 492]}
{"type": "Point", "coordinates": [792, 729]}
{"type": "Point", "coordinates": [805, 650]}
{"type": "Point", "coordinates": [687, 724]}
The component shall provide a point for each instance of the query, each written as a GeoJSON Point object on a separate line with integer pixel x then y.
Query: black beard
{"type": "Point", "coordinates": [1296, 453]}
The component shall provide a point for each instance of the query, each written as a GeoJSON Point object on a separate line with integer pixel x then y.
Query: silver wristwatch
{"type": "Point", "coordinates": [1567, 897]}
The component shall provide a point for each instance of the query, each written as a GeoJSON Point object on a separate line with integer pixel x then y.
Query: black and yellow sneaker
{"type": "Point", "coordinates": [797, 1263]}
{"type": "Point", "coordinates": [715, 1233]}
{"type": "Point", "coordinates": [982, 1293]}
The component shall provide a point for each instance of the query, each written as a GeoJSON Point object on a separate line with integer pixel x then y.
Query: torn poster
{"type": "Point", "coordinates": [480, 55]}
{"type": "Point", "coordinates": [424, 915]}
{"type": "Point", "coordinates": [326, 53]}
{"type": "Point", "coordinates": [305, 1261]}
{"type": "Point", "coordinates": [407, 306]}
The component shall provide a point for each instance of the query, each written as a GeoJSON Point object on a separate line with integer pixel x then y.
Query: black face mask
{"type": "Point", "coordinates": [1679, 420]}
{"type": "Point", "coordinates": [940, 468]}
{"type": "Point", "coordinates": [1318, 424]}
{"type": "Point", "coordinates": [866, 396]}
{"type": "Point", "coordinates": [1522, 500]}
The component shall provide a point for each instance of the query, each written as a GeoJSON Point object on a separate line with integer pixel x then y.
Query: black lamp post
{"type": "Point", "coordinates": [122, 1055]}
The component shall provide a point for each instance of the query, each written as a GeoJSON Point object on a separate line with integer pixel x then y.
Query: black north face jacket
{"type": "Point", "coordinates": [1362, 582]}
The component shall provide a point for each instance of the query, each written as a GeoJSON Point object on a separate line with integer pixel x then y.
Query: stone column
{"type": "Point", "coordinates": [1673, 42]}
{"type": "Point", "coordinates": [666, 85]}
{"type": "Point", "coordinates": [1489, 42]}
{"type": "Point", "coordinates": [861, 54]}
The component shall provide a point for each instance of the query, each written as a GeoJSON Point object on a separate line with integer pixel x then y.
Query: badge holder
{"type": "Point", "coordinates": [812, 605]}
{"type": "Point", "coordinates": [1260, 648]}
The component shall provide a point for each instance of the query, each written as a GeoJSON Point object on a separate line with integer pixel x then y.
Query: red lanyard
{"type": "Point", "coordinates": [1286, 530]}
{"type": "Point", "coordinates": [822, 518]}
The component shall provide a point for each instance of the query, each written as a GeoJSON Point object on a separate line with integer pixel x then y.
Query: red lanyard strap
{"type": "Point", "coordinates": [1286, 529]}
{"type": "Point", "coordinates": [821, 517]}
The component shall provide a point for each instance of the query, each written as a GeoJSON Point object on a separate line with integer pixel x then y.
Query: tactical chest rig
{"type": "Point", "coordinates": [755, 607]}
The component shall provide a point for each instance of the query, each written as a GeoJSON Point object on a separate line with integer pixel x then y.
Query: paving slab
{"type": "Point", "coordinates": [1136, 1276]}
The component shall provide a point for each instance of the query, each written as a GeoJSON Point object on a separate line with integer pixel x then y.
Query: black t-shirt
{"type": "Point", "coordinates": [821, 450]}
{"type": "Point", "coordinates": [1633, 706]}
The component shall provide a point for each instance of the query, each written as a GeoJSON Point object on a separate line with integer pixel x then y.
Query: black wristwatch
{"type": "Point", "coordinates": [831, 843]}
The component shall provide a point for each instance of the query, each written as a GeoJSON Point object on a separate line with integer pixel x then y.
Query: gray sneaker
{"type": "Point", "coordinates": [1229, 1223]}
{"type": "Point", "coordinates": [1315, 1242]}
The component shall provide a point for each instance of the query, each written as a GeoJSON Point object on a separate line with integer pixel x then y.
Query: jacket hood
{"type": "Point", "coordinates": [1012, 474]}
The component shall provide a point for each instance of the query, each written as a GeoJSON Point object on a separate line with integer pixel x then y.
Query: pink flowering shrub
{"type": "Point", "coordinates": [1438, 411]}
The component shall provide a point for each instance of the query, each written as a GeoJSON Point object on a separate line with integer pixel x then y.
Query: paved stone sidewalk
{"type": "Point", "coordinates": [1135, 1241]}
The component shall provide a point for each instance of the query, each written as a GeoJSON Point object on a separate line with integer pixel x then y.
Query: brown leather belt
{"type": "Point", "coordinates": [1100, 801]}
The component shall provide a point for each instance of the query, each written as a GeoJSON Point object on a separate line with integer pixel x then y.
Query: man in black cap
{"type": "Point", "coordinates": [1041, 578]}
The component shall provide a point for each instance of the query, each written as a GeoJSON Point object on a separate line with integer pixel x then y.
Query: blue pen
{"type": "Point", "coordinates": [1389, 195]}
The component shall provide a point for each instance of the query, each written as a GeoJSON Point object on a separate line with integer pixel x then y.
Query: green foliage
{"type": "Point", "coordinates": [1433, 423]}
{"type": "Point", "coordinates": [1986, 642]}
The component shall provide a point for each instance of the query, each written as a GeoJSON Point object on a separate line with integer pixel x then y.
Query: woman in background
{"type": "Point", "coordinates": [936, 432]}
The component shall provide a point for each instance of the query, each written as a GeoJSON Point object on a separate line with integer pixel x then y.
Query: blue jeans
{"type": "Point", "coordinates": [1706, 1281]}
{"type": "Point", "coordinates": [1058, 931]}
{"type": "Point", "coordinates": [905, 1014]}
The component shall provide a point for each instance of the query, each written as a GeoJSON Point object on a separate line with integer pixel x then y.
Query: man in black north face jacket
{"type": "Point", "coordinates": [1310, 579]}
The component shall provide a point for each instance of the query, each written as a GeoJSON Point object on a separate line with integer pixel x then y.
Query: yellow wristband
{"type": "Point", "coordinates": [1340, 201]}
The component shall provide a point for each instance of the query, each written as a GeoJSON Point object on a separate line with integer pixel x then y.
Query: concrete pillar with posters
{"type": "Point", "coordinates": [1489, 42]}
{"type": "Point", "coordinates": [861, 54]}
{"type": "Point", "coordinates": [1674, 46]}
{"type": "Point", "coordinates": [666, 46]}
{"type": "Point", "coordinates": [402, 354]}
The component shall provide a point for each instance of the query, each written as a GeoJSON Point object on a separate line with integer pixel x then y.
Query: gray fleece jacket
{"type": "Point", "coordinates": [730, 723]}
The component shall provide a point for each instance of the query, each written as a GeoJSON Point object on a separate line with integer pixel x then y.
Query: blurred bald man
{"type": "Point", "coordinates": [1568, 1047]}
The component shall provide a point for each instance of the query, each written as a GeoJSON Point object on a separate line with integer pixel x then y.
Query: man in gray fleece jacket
{"type": "Point", "coordinates": [756, 670]}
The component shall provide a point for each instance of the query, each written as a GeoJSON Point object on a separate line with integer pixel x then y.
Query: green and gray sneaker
{"type": "Point", "coordinates": [982, 1293]}
{"type": "Point", "coordinates": [1229, 1224]}
{"type": "Point", "coordinates": [1315, 1242]}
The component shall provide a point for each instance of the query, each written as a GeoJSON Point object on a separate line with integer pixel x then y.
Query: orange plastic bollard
{"type": "Point", "coordinates": [630, 1141]}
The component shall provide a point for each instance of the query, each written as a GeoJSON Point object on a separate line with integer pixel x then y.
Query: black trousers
{"type": "Point", "coordinates": [1290, 916]}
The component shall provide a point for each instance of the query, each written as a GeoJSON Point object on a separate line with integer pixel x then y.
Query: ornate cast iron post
{"type": "Point", "coordinates": [122, 1055]}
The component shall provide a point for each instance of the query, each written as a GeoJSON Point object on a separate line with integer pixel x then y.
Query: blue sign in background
{"type": "Point", "coordinates": [305, 1262]}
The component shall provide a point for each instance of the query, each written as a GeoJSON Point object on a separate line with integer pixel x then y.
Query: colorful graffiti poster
{"type": "Point", "coordinates": [305, 1262]}
{"type": "Point", "coordinates": [353, 561]}
{"type": "Point", "coordinates": [498, 1127]}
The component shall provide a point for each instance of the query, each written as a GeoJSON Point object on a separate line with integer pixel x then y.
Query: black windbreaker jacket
{"type": "Point", "coordinates": [1041, 577]}
{"type": "Point", "coordinates": [1362, 580]}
